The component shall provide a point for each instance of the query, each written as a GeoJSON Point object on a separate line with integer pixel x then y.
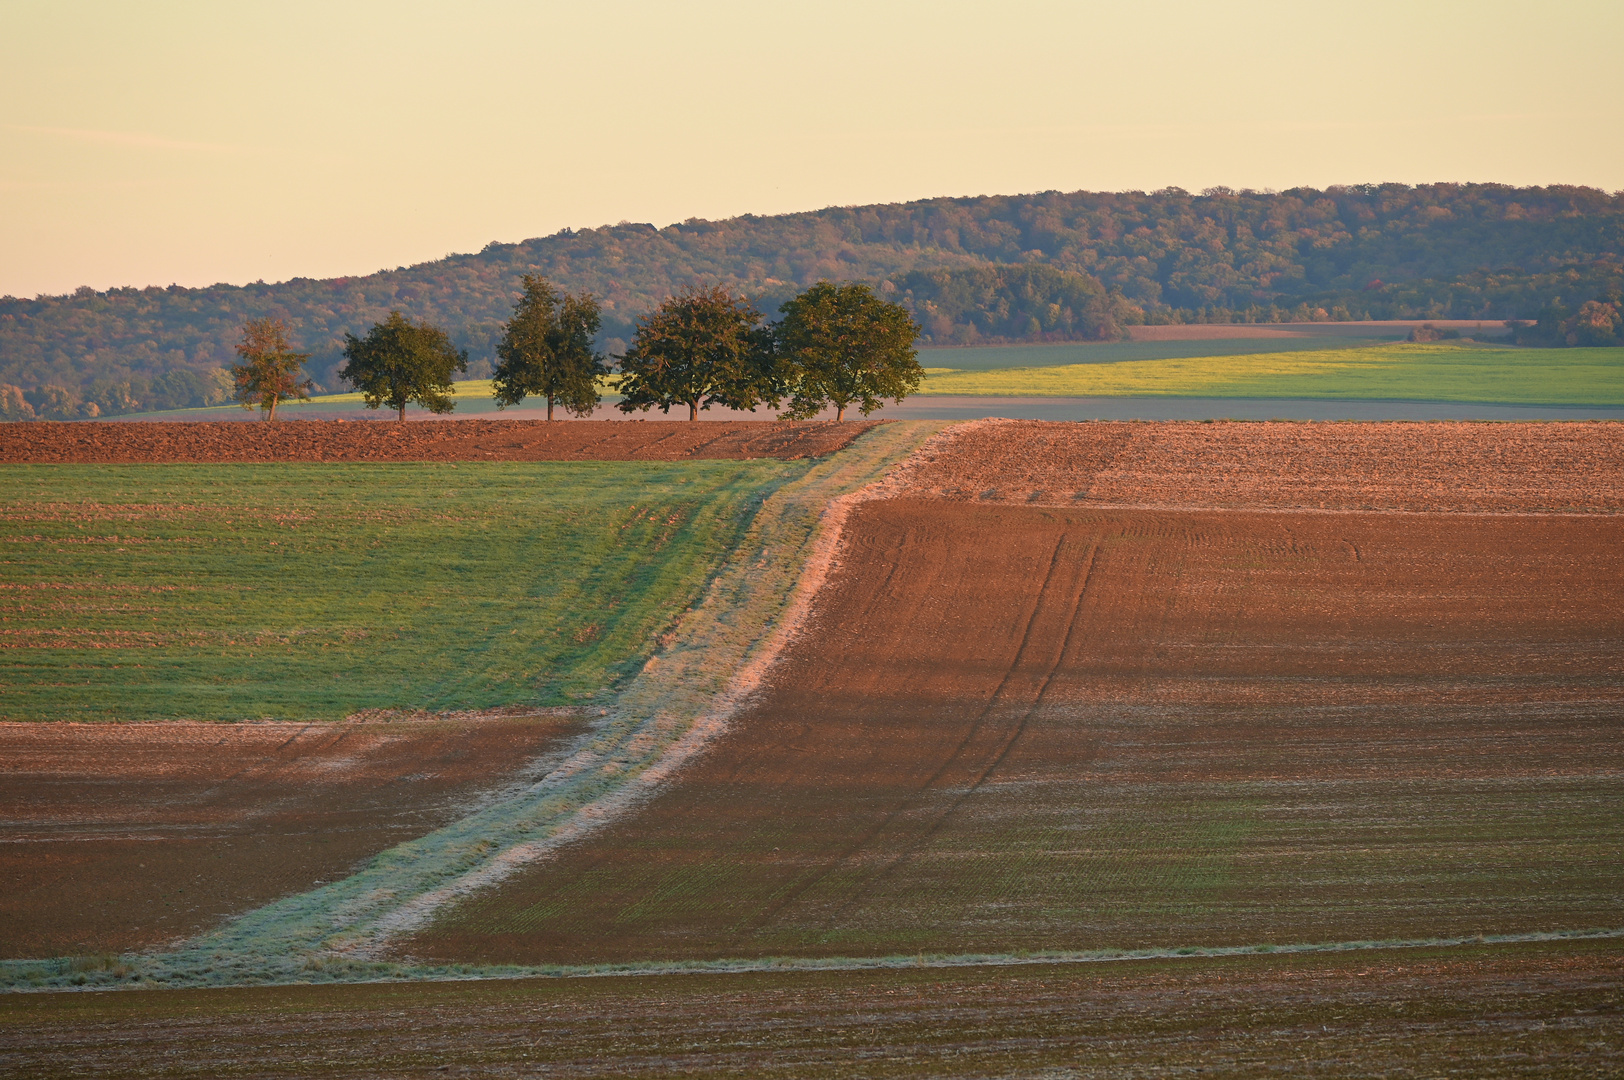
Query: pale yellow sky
{"type": "Point", "coordinates": [150, 143]}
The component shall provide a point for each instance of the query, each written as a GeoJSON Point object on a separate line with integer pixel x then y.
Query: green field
{"type": "Point", "coordinates": [1350, 368]}
{"type": "Point", "coordinates": [473, 397]}
{"type": "Point", "coordinates": [1438, 372]}
{"type": "Point", "coordinates": [312, 591]}
{"type": "Point", "coordinates": [1058, 353]}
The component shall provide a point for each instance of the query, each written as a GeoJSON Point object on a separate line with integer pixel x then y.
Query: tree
{"type": "Point", "coordinates": [13, 406]}
{"type": "Point", "coordinates": [546, 350]}
{"type": "Point", "coordinates": [842, 344]}
{"type": "Point", "coordinates": [398, 363]}
{"type": "Point", "coordinates": [1596, 323]}
{"type": "Point", "coordinates": [269, 372]}
{"type": "Point", "coordinates": [700, 348]}
{"type": "Point", "coordinates": [51, 402]}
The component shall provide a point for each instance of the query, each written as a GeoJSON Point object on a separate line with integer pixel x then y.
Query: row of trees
{"type": "Point", "coordinates": [833, 346]}
{"type": "Point", "coordinates": [1597, 322]}
{"type": "Point", "coordinates": [1479, 251]}
{"type": "Point", "coordinates": [181, 388]}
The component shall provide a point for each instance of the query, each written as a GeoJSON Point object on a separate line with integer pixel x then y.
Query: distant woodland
{"type": "Point", "coordinates": [1051, 266]}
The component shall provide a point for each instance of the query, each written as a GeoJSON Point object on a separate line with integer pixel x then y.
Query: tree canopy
{"type": "Point", "coordinates": [546, 350]}
{"type": "Point", "coordinates": [269, 372]}
{"type": "Point", "coordinates": [1597, 322]}
{"type": "Point", "coordinates": [399, 363]}
{"type": "Point", "coordinates": [983, 269]}
{"type": "Point", "coordinates": [700, 348]}
{"type": "Point", "coordinates": [841, 344]}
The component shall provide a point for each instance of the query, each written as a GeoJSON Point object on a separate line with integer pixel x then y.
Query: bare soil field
{"type": "Point", "coordinates": [430, 440]}
{"type": "Point", "coordinates": [1545, 1010]}
{"type": "Point", "coordinates": [1010, 727]}
{"type": "Point", "coordinates": [125, 836]}
{"type": "Point", "coordinates": [1449, 466]}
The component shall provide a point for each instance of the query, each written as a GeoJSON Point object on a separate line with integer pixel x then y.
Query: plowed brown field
{"type": "Point", "coordinates": [1400, 466]}
{"type": "Point", "coordinates": [122, 836]}
{"type": "Point", "coordinates": [1016, 727]}
{"type": "Point", "coordinates": [429, 440]}
{"type": "Point", "coordinates": [1523, 1011]}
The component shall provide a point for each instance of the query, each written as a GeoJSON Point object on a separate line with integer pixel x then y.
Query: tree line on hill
{"type": "Point", "coordinates": [833, 346]}
{"type": "Point", "coordinates": [1050, 266]}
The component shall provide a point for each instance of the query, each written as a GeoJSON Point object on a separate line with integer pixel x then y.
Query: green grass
{"type": "Point", "coordinates": [463, 392]}
{"type": "Point", "coordinates": [1438, 372]}
{"type": "Point", "coordinates": [473, 397]}
{"type": "Point", "coordinates": [312, 591]}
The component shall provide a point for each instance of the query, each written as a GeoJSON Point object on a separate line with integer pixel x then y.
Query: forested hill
{"type": "Point", "coordinates": [1051, 265]}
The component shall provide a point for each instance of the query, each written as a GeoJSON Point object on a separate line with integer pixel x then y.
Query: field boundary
{"type": "Point", "coordinates": [111, 973]}
{"type": "Point", "coordinates": [806, 516]}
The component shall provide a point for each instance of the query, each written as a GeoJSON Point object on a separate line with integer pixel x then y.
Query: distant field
{"type": "Point", "coordinates": [1065, 353]}
{"type": "Point", "coordinates": [1439, 372]}
{"type": "Point", "coordinates": [312, 591]}
{"type": "Point", "coordinates": [472, 397]}
{"type": "Point", "coordinates": [204, 442]}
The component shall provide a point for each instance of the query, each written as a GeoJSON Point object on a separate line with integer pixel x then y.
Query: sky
{"type": "Point", "coordinates": [192, 143]}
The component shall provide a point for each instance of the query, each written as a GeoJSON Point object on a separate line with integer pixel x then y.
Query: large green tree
{"type": "Point", "coordinates": [270, 369]}
{"type": "Point", "coordinates": [842, 344]}
{"type": "Point", "coordinates": [399, 362]}
{"type": "Point", "coordinates": [700, 348]}
{"type": "Point", "coordinates": [546, 350]}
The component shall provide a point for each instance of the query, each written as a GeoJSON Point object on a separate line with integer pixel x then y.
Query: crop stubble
{"type": "Point", "coordinates": [125, 836]}
{"type": "Point", "coordinates": [1076, 726]}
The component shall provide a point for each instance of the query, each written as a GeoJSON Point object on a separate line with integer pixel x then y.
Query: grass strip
{"type": "Point", "coordinates": [1479, 374]}
{"type": "Point", "coordinates": [150, 972]}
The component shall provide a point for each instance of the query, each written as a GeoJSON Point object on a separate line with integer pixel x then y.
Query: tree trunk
{"type": "Point", "coordinates": [403, 414]}
{"type": "Point", "coordinates": [840, 412]}
{"type": "Point", "coordinates": [272, 414]}
{"type": "Point", "coordinates": [693, 411]}
{"type": "Point", "coordinates": [549, 408]}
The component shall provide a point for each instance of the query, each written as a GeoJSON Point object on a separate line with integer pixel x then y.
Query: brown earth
{"type": "Point", "coordinates": [1345, 466]}
{"type": "Point", "coordinates": [429, 440]}
{"type": "Point", "coordinates": [1017, 728]}
{"type": "Point", "coordinates": [124, 836]}
{"type": "Point", "coordinates": [1530, 1010]}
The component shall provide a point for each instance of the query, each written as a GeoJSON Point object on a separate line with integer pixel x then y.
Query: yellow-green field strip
{"type": "Point", "coordinates": [1401, 372]}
